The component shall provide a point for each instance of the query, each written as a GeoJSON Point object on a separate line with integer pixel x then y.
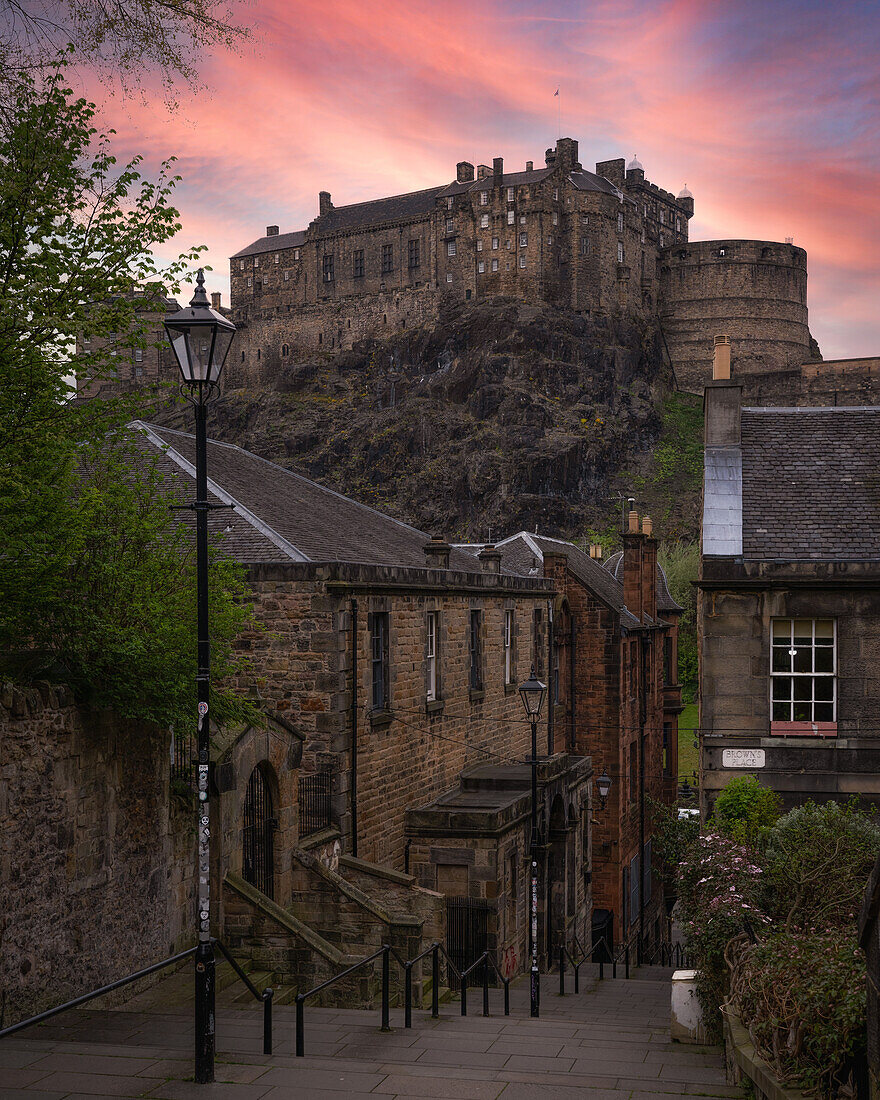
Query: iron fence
{"type": "Point", "coordinates": [314, 803]}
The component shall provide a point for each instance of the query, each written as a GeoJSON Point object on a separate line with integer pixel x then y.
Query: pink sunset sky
{"type": "Point", "coordinates": [767, 109]}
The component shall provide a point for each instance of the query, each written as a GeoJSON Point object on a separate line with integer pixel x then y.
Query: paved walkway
{"type": "Point", "coordinates": [608, 1043]}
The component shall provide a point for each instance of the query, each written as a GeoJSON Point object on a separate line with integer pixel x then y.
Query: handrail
{"type": "Point", "coordinates": [266, 996]}
{"type": "Point", "coordinates": [77, 1001]}
{"type": "Point", "coordinates": [301, 998]}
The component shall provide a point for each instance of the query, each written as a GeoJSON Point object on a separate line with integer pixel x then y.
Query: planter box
{"type": "Point", "coordinates": [686, 1024]}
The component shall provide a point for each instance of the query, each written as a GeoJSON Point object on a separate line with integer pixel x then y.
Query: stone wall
{"type": "Point", "coordinates": [95, 856]}
{"type": "Point", "coordinates": [754, 291]}
{"type": "Point", "coordinates": [830, 382]}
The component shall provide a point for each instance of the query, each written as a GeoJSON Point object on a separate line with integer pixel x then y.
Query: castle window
{"type": "Point", "coordinates": [481, 267]}
{"type": "Point", "coordinates": [495, 243]}
{"type": "Point", "coordinates": [585, 246]}
{"type": "Point", "coordinates": [523, 240]}
{"type": "Point", "coordinates": [494, 265]}
{"type": "Point", "coordinates": [476, 676]}
{"type": "Point", "coordinates": [642, 235]}
{"type": "Point", "coordinates": [449, 277]}
{"type": "Point", "coordinates": [678, 225]}
{"type": "Point", "coordinates": [285, 350]}
{"type": "Point", "coordinates": [320, 341]}
{"type": "Point", "coordinates": [259, 355]}
{"type": "Point", "coordinates": [414, 255]}
{"type": "Point", "coordinates": [450, 248]}
{"type": "Point", "coordinates": [620, 252]}
{"type": "Point", "coordinates": [242, 357]}
{"type": "Point", "coordinates": [277, 257]}
{"type": "Point", "coordinates": [450, 225]}
{"type": "Point", "coordinates": [662, 216]}
{"type": "Point", "coordinates": [510, 194]}
{"type": "Point", "coordinates": [138, 355]}
{"type": "Point", "coordinates": [549, 241]}
{"type": "Point", "coordinates": [256, 261]}
{"type": "Point", "coordinates": [555, 218]}
{"type": "Point", "coordinates": [662, 241]}
{"type": "Point", "coordinates": [721, 252]}
{"type": "Point", "coordinates": [387, 259]}
{"type": "Point", "coordinates": [241, 265]}
{"type": "Point", "coordinates": [287, 276]}
{"type": "Point", "coordinates": [479, 246]}
{"type": "Point", "coordinates": [585, 219]}
{"type": "Point", "coordinates": [522, 261]}
{"type": "Point", "coordinates": [511, 217]}
{"type": "Point", "coordinates": [379, 658]}
{"type": "Point", "coordinates": [556, 194]}
{"type": "Point", "coordinates": [508, 244]}
{"type": "Point", "coordinates": [522, 219]}
{"type": "Point", "coordinates": [357, 267]}
{"type": "Point", "coordinates": [449, 203]}
{"type": "Point", "coordinates": [484, 198]}
{"type": "Point", "coordinates": [296, 253]}
{"type": "Point", "coordinates": [327, 262]}
{"type": "Point", "coordinates": [250, 281]}
{"type": "Point", "coordinates": [484, 221]}
{"type": "Point", "coordinates": [620, 222]}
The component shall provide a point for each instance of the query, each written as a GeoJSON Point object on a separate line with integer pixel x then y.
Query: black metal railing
{"type": "Point", "coordinates": [386, 951]}
{"type": "Point", "coordinates": [668, 954]}
{"type": "Point", "coordinates": [314, 803]}
{"type": "Point", "coordinates": [182, 758]}
{"type": "Point", "coordinates": [265, 996]}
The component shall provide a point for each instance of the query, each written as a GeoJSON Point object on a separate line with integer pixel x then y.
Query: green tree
{"type": "Point", "coordinates": [744, 809]}
{"type": "Point", "coordinates": [97, 586]}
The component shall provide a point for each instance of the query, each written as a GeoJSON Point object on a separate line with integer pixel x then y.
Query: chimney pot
{"type": "Point", "coordinates": [530, 164]}
{"type": "Point", "coordinates": [721, 361]}
{"type": "Point", "coordinates": [633, 522]}
{"type": "Point", "coordinates": [437, 553]}
{"type": "Point", "coordinates": [215, 299]}
{"type": "Point", "coordinates": [647, 525]}
{"type": "Point", "coordinates": [490, 560]}
{"type": "Point", "coordinates": [271, 230]}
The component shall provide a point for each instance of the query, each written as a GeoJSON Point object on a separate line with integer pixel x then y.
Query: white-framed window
{"type": "Point", "coordinates": [241, 265]}
{"type": "Point", "coordinates": [138, 355]}
{"type": "Point", "coordinates": [522, 261]}
{"type": "Point", "coordinates": [662, 241]}
{"type": "Point", "coordinates": [481, 267]}
{"type": "Point", "coordinates": [448, 276]}
{"type": "Point", "coordinates": [585, 219]}
{"type": "Point", "coordinates": [484, 198]}
{"type": "Point", "coordinates": [803, 670]}
{"type": "Point", "coordinates": [449, 202]}
{"type": "Point", "coordinates": [296, 253]}
{"type": "Point", "coordinates": [494, 265]}
{"type": "Point", "coordinates": [643, 235]}
{"type": "Point", "coordinates": [511, 194]}
{"type": "Point", "coordinates": [620, 222]}
{"type": "Point", "coordinates": [620, 252]}
{"type": "Point", "coordinates": [678, 225]}
{"type": "Point", "coordinates": [484, 221]}
{"type": "Point", "coordinates": [479, 246]}
{"type": "Point", "coordinates": [555, 218]}
{"type": "Point", "coordinates": [549, 241]}
{"type": "Point", "coordinates": [585, 246]}
{"type": "Point", "coordinates": [250, 281]}
{"type": "Point", "coordinates": [431, 656]}
{"type": "Point", "coordinates": [556, 194]}
{"type": "Point", "coordinates": [495, 243]}
{"type": "Point", "coordinates": [256, 261]}
{"type": "Point", "coordinates": [511, 217]}
{"type": "Point", "coordinates": [287, 276]}
{"type": "Point", "coordinates": [277, 257]}
{"type": "Point", "coordinates": [523, 240]}
{"type": "Point", "coordinates": [662, 216]}
{"type": "Point", "coordinates": [508, 244]}
{"type": "Point", "coordinates": [450, 248]}
{"type": "Point", "coordinates": [509, 670]}
{"type": "Point", "coordinates": [522, 219]}
{"type": "Point", "coordinates": [450, 225]}
{"type": "Point", "coordinates": [87, 341]}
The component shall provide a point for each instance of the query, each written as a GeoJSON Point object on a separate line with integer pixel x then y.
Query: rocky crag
{"type": "Point", "coordinates": [500, 416]}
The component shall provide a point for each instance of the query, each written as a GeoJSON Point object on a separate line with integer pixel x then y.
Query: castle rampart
{"type": "Point", "coordinates": [755, 291]}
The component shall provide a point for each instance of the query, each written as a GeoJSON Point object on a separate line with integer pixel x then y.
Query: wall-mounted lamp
{"type": "Point", "coordinates": [603, 785]}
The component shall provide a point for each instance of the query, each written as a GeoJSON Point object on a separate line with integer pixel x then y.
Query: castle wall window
{"type": "Point", "coordinates": [479, 246]}
{"type": "Point", "coordinates": [510, 194]}
{"type": "Point", "coordinates": [476, 651]}
{"type": "Point", "coordinates": [508, 244]}
{"type": "Point", "coordinates": [585, 219]}
{"type": "Point", "coordinates": [522, 261]}
{"type": "Point", "coordinates": [387, 259]}
{"type": "Point", "coordinates": [357, 264]}
{"type": "Point", "coordinates": [481, 267]}
{"type": "Point", "coordinates": [379, 659]}
{"type": "Point", "coordinates": [678, 225]}
{"type": "Point", "coordinates": [285, 350]}
{"type": "Point", "coordinates": [555, 218]}
{"type": "Point", "coordinates": [327, 267]}
{"type": "Point", "coordinates": [450, 250]}
{"type": "Point", "coordinates": [277, 258]}
{"type": "Point", "coordinates": [494, 265]}
{"type": "Point", "coordinates": [241, 265]}
{"type": "Point", "coordinates": [522, 219]}
{"type": "Point", "coordinates": [287, 276]}
{"type": "Point", "coordinates": [138, 355]}
{"type": "Point", "coordinates": [414, 255]}
{"type": "Point", "coordinates": [484, 221]}
{"type": "Point", "coordinates": [256, 261]}
{"type": "Point", "coordinates": [296, 253]}
{"type": "Point", "coordinates": [450, 225]}
{"type": "Point", "coordinates": [449, 277]}
{"type": "Point", "coordinates": [484, 198]}
{"type": "Point", "coordinates": [549, 241]}
{"type": "Point", "coordinates": [511, 217]}
{"type": "Point", "coordinates": [662, 216]}
{"type": "Point", "coordinates": [509, 669]}
{"type": "Point", "coordinates": [523, 240]}
{"type": "Point", "coordinates": [431, 656]}
{"type": "Point", "coordinates": [556, 194]}
{"type": "Point", "coordinates": [495, 243]}
{"type": "Point", "coordinates": [449, 203]}
{"type": "Point", "coordinates": [662, 241]}
{"type": "Point", "coordinates": [620, 252]}
{"type": "Point", "coordinates": [620, 223]}
{"type": "Point", "coordinates": [585, 246]}
{"type": "Point", "coordinates": [250, 281]}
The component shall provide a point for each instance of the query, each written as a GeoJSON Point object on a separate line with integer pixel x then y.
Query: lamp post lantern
{"type": "Point", "coordinates": [532, 693]}
{"type": "Point", "coordinates": [200, 338]}
{"type": "Point", "coordinates": [603, 785]}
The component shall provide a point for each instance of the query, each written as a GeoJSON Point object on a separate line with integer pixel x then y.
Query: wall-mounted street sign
{"type": "Point", "coordinates": [742, 758]}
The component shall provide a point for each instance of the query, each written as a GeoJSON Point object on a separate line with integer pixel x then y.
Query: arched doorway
{"type": "Point", "coordinates": [257, 834]}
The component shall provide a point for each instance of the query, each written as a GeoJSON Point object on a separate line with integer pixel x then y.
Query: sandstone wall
{"type": "Point", "coordinates": [830, 382]}
{"type": "Point", "coordinates": [95, 857]}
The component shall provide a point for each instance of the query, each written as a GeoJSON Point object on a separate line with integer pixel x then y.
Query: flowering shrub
{"type": "Point", "coordinates": [803, 999]}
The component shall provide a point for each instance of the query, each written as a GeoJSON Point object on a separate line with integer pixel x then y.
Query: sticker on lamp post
{"type": "Point", "coordinates": [743, 758]}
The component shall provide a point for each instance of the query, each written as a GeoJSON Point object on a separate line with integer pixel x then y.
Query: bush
{"type": "Point", "coordinates": [744, 809]}
{"type": "Point", "coordinates": [803, 999]}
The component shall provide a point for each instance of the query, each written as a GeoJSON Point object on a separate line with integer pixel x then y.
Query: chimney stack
{"type": "Point", "coordinates": [633, 588]}
{"type": "Point", "coordinates": [490, 560]}
{"type": "Point", "coordinates": [271, 230]}
{"type": "Point", "coordinates": [483, 171]}
{"type": "Point", "coordinates": [437, 553]}
{"type": "Point", "coordinates": [530, 165]}
{"type": "Point", "coordinates": [498, 172]}
{"type": "Point", "coordinates": [324, 203]}
{"type": "Point", "coordinates": [464, 172]}
{"type": "Point", "coordinates": [215, 300]}
{"type": "Point", "coordinates": [721, 361]}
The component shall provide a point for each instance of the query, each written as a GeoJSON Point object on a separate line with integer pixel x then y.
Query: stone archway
{"type": "Point", "coordinates": [259, 822]}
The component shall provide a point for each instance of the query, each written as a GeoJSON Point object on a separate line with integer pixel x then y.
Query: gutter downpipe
{"type": "Point", "coordinates": [643, 719]}
{"type": "Point", "coordinates": [354, 728]}
{"type": "Point", "coordinates": [550, 678]}
{"type": "Point", "coordinates": [571, 692]}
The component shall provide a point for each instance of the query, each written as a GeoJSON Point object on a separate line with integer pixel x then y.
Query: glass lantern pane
{"type": "Point", "coordinates": [221, 350]}
{"type": "Point", "coordinates": [179, 347]}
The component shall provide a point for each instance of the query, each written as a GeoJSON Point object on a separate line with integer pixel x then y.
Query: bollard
{"type": "Point", "coordinates": [386, 987]}
{"type": "Point", "coordinates": [601, 968]}
{"type": "Point", "coordinates": [626, 959]}
{"type": "Point", "coordinates": [300, 1028]}
{"type": "Point", "coordinates": [506, 998]}
{"type": "Point", "coordinates": [486, 986]}
{"type": "Point", "coordinates": [407, 994]}
{"type": "Point", "coordinates": [435, 982]}
{"type": "Point", "coordinates": [577, 987]}
{"type": "Point", "coordinates": [267, 1020]}
{"type": "Point", "coordinates": [464, 996]}
{"type": "Point", "coordinates": [561, 971]}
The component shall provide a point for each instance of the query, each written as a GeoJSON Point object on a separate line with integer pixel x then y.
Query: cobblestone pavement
{"type": "Point", "coordinates": [609, 1042]}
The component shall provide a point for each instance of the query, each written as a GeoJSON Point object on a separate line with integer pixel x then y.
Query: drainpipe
{"type": "Point", "coordinates": [643, 720]}
{"type": "Point", "coordinates": [571, 693]}
{"type": "Point", "coordinates": [354, 728]}
{"type": "Point", "coordinates": [550, 681]}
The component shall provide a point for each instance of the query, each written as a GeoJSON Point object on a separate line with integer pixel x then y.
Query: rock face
{"type": "Point", "coordinates": [500, 415]}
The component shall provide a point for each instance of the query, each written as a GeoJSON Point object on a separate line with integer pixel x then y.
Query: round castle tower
{"type": "Point", "coordinates": [754, 290]}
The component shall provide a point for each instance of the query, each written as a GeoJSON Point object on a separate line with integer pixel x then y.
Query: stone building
{"type": "Point", "coordinates": [789, 597]}
{"type": "Point", "coordinates": [611, 669]}
{"type": "Point", "coordinates": [388, 665]}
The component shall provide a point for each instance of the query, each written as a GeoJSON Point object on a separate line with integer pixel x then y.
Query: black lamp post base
{"type": "Point", "coordinates": [205, 1014]}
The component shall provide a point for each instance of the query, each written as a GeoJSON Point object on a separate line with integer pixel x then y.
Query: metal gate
{"type": "Point", "coordinates": [257, 836]}
{"type": "Point", "coordinates": [467, 932]}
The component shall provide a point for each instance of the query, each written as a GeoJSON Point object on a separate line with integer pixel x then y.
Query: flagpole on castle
{"type": "Point", "coordinates": [558, 113]}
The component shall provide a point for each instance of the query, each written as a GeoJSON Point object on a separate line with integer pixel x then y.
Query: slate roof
{"type": "Point", "coordinates": [811, 484]}
{"type": "Point", "coordinates": [281, 516]}
{"type": "Point", "coordinates": [589, 181]}
{"type": "Point", "coordinates": [665, 602]}
{"type": "Point", "coordinates": [273, 244]}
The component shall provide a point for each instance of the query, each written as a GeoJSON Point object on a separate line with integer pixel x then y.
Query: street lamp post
{"type": "Point", "coordinates": [532, 693]}
{"type": "Point", "coordinates": [200, 338]}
